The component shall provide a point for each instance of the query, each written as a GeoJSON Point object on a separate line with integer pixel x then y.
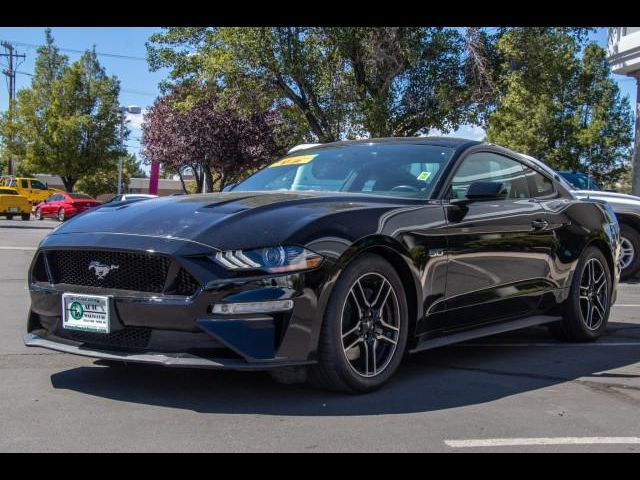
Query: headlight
{"type": "Point", "coordinates": [269, 259]}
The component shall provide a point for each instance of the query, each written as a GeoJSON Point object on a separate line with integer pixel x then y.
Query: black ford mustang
{"type": "Point", "coordinates": [333, 261]}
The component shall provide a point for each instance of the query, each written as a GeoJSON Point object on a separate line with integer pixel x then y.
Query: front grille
{"type": "Point", "coordinates": [185, 283]}
{"type": "Point", "coordinates": [140, 272]}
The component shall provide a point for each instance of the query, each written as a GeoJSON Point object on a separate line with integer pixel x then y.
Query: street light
{"type": "Point", "coordinates": [135, 110]}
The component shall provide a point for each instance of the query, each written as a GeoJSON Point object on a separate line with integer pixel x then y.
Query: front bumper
{"type": "Point", "coordinates": [243, 342]}
{"type": "Point", "coordinates": [166, 359]}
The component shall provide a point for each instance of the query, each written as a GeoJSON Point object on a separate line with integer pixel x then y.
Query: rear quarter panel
{"type": "Point", "coordinates": [584, 223]}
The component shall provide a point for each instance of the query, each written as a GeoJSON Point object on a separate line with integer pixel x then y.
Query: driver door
{"type": "Point", "coordinates": [499, 249]}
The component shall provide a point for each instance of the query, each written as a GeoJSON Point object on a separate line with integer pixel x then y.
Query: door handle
{"type": "Point", "coordinates": [539, 224]}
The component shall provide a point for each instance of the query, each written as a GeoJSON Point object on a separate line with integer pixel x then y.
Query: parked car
{"type": "Point", "coordinates": [65, 205]}
{"type": "Point", "coordinates": [627, 209]}
{"type": "Point", "coordinates": [580, 181]}
{"type": "Point", "coordinates": [335, 261]}
{"type": "Point", "coordinates": [12, 204]}
{"type": "Point", "coordinates": [32, 188]}
{"type": "Point", "coordinates": [130, 196]}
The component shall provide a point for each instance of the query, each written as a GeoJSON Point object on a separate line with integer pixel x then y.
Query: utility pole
{"type": "Point", "coordinates": [10, 73]}
{"type": "Point", "coordinates": [136, 110]}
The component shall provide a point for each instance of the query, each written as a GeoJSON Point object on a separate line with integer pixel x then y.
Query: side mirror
{"type": "Point", "coordinates": [229, 187]}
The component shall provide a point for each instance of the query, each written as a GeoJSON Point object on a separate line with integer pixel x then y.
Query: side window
{"type": "Point", "coordinates": [490, 167]}
{"type": "Point", "coordinates": [38, 185]}
{"type": "Point", "coordinates": [24, 183]}
{"type": "Point", "coordinates": [539, 185]}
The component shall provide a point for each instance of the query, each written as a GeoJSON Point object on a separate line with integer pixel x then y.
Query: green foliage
{"type": "Point", "coordinates": [105, 180]}
{"type": "Point", "coordinates": [67, 123]}
{"type": "Point", "coordinates": [336, 82]}
{"type": "Point", "coordinates": [3, 159]}
{"type": "Point", "coordinates": [558, 103]}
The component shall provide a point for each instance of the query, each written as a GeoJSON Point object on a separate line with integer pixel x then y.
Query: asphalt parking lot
{"type": "Point", "coordinates": [517, 392]}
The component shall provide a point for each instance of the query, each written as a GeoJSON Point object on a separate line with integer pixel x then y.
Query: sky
{"type": "Point", "coordinates": [138, 85]}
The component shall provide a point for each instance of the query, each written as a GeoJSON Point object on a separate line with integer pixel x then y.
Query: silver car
{"type": "Point", "coordinates": [626, 207]}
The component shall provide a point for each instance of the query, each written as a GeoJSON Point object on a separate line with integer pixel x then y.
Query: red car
{"type": "Point", "coordinates": [65, 205]}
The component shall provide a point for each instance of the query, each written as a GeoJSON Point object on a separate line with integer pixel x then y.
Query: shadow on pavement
{"type": "Point", "coordinates": [439, 379]}
{"type": "Point", "coordinates": [29, 227]}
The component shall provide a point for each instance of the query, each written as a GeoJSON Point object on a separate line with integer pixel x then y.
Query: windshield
{"type": "Point", "coordinates": [580, 181]}
{"type": "Point", "coordinates": [382, 169]}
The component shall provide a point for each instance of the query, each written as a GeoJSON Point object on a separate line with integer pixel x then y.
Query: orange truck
{"type": "Point", "coordinates": [13, 204]}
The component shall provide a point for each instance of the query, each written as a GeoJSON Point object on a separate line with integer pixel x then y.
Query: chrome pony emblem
{"type": "Point", "coordinates": [101, 270]}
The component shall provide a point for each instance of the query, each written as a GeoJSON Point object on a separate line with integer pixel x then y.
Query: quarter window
{"type": "Point", "coordinates": [540, 185]}
{"type": "Point", "coordinates": [490, 167]}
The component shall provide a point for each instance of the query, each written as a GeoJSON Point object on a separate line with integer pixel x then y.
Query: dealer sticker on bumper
{"type": "Point", "coordinates": [89, 313]}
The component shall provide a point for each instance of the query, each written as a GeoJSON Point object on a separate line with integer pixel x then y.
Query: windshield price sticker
{"type": "Point", "coordinates": [299, 160]}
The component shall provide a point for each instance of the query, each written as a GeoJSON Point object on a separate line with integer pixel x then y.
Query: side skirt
{"type": "Point", "coordinates": [479, 332]}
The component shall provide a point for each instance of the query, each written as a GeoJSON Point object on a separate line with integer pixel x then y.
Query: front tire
{"type": "Point", "coordinates": [26, 217]}
{"type": "Point", "coordinates": [61, 215]}
{"type": "Point", "coordinates": [586, 311]}
{"type": "Point", "coordinates": [365, 327]}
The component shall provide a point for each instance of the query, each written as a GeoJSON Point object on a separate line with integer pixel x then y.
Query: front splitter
{"type": "Point", "coordinates": [179, 360]}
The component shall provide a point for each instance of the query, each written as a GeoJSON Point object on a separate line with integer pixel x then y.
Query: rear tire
{"type": "Point", "coordinates": [365, 328]}
{"type": "Point", "coordinates": [586, 311]}
{"type": "Point", "coordinates": [38, 214]}
{"type": "Point", "coordinates": [9, 217]}
{"type": "Point", "coordinates": [630, 251]}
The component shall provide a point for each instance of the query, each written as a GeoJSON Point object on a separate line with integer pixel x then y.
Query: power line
{"type": "Point", "coordinates": [73, 50]}
{"type": "Point", "coordinates": [138, 92]}
{"type": "Point", "coordinates": [123, 90]}
{"type": "Point", "coordinates": [10, 73]}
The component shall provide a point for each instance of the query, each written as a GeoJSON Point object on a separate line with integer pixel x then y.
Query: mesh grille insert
{"type": "Point", "coordinates": [141, 272]}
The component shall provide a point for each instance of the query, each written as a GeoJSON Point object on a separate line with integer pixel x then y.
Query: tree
{"type": "Point", "coordinates": [218, 145]}
{"type": "Point", "coordinates": [105, 180]}
{"type": "Point", "coordinates": [67, 123]}
{"type": "Point", "coordinates": [342, 82]}
{"type": "Point", "coordinates": [557, 102]}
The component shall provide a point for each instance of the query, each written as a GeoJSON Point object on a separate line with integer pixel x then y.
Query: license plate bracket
{"type": "Point", "coordinates": [86, 313]}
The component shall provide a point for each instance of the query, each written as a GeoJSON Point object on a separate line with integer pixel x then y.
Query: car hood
{"type": "Point", "coordinates": [616, 200]}
{"type": "Point", "coordinates": [237, 219]}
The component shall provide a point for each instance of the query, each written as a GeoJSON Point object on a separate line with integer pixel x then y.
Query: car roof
{"type": "Point", "coordinates": [449, 142]}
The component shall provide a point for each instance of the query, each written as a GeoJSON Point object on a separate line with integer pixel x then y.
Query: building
{"type": "Point", "coordinates": [136, 185]}
{"type": "Point", "coordinates": [623, 51]}
{"type": "Point", "coordinates": [165, 186]}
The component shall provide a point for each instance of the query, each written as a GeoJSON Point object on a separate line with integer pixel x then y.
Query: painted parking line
{"type": "Point", "coordinates": [19, 248]}
{"type": "Point", "coordinates": [550, 344]}
{"type": "Point", "coordinates": [519, 442]}
{"type": "Point", "coordinates": [625, 305]}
